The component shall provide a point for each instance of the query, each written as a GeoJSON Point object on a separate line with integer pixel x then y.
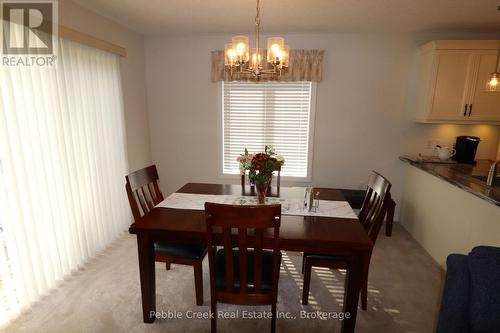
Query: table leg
{"type": "Point", "coordinates": [146, 252]}
{"type": "Point", "coordinates": [351, 294]}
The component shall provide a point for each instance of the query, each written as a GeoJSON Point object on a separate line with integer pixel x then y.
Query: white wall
{"type": "Point", "coordinates": [132, 70]}
{"type": "Point", "coordinates": [363, 114]}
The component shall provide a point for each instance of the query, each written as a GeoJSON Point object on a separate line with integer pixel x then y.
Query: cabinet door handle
{"type": "Point", "coordinates": [465, 110]}
{"type": "Point", "coordinates": [470, 109]}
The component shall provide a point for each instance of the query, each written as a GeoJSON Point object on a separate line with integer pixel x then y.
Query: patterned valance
{"type": "Point", "coordinates": [304, 65]}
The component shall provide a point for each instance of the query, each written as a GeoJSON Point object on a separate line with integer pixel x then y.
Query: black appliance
{"type": "Point", "coordinates": [466, 148]}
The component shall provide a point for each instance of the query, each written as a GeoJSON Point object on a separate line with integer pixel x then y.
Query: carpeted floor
{"type": "Point", "coordinates": [403, 296]}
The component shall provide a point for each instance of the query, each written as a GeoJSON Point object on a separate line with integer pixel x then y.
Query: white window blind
{"type": "Point", "coordinates": [63, 158]}
{"type": "Point", "coordinates": [267, 113]}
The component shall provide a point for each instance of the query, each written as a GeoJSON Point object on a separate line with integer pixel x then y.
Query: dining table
{"type": "Point", "coordinates": [328, 235]}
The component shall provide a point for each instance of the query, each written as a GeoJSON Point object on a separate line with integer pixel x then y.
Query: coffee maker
{"type": "Point", "coordinates": [466, 148]}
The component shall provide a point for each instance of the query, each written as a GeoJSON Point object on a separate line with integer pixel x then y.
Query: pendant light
{"type": "Point", "coordinates": [493, 83]}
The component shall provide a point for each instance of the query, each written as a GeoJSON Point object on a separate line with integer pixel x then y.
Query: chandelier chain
{"type": "Point", "coordinates": [257, 27]}
{"type": "Point", "coordinates": [257, 17]}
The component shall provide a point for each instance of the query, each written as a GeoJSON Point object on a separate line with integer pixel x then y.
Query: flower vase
{"type": "Point", "coordinates": [262, 188]}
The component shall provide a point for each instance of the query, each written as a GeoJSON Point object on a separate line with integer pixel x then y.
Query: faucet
{"type": "Point", "coordinates": [492, 174]}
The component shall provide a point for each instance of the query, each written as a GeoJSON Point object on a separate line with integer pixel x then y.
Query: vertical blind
{"type": "Point", "coordinates": [267, 113]}
{"type": "Point", "coordinates": [62, 152]}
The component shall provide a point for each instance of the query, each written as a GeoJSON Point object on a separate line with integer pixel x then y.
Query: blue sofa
{"type": "Point", "coordinates": [471, 295]}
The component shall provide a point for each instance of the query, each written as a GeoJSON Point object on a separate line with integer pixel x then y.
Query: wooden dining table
{"type": "Point", "coordinates": [323, 235]}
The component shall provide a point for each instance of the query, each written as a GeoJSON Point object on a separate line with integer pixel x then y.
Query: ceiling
{"type": "Point", "coordinates": [159, 17]}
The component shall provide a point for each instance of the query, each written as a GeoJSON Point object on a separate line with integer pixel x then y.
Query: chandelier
{"type": "Point", "coordinates": [239, 59]}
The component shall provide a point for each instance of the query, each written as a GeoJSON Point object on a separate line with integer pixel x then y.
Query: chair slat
{"type": "Point", "coordinates": [136, 211]}
{"type": "Point", "coordinates": [371, 213]}
{"type": "Point", "coordinates": [257, 257]}
{"type": "Point", "coordinates": [228, 258]}
{"type": "Point", "coordinates": [142, 202]}
{"type": "Point", "coordinates": [152, 193]}
{"type": "Point", "coordinates": [147, 197]}
{"type": "Point", "coordinates": [366, 203]}
{"type": "Point", "coordinates": [242, 247]}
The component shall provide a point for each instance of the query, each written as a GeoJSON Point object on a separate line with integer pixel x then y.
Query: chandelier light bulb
{"type": "Point", "coordinates": [285, 55]}
{"type": "Point", "coordinates": [275, 46]}
{"type": "Point", "coordinates": [240, 48]}
{"type": "Point", "coordinates": [276, 49]}
{"type": "Point", "coordinates": [229, 55]}
{"type": "Point", "coordinates": [256, 59]}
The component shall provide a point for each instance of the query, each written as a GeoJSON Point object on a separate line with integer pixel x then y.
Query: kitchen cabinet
{"type": "Point", "coordinates": [451, 85]}
{"type": "Point", "coordinates": [484, 105]}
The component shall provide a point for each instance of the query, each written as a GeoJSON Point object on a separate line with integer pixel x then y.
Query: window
{"type": "Point", "coordinates": [278, 114]}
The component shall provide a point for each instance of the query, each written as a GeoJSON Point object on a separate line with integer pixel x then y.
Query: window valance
{"type": "Point", "coordinates": [304, 65]}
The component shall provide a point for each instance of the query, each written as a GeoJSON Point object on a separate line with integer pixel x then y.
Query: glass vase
{"type": "Point", "coordinates": [262, 188]}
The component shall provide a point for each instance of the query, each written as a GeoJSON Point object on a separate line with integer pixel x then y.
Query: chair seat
{"type": "Point", "coordinates": [267, 270]}
{"type": "Point", "coordinates": [189, 251]}
{"type": "Point", "coordinates": [313, 256]}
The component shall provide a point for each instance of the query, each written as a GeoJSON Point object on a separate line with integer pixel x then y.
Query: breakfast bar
{"type": "Point", "coordinates": [448, 208]}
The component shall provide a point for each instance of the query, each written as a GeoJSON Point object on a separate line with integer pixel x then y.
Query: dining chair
{"type": "Point", "coordinates": [242, 272]}
{"type": "Point", "coordinates": [278, 181]}
{"type": "Point", "coordinates": [144, 194]}
{"type": "Point", "coordinates": [374, 208]}
{"type": "Point", "coordinates": [355, 198]}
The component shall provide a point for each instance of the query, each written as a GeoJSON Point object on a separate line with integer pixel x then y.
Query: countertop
{"type": "Point", "coordinates": [462, 176]}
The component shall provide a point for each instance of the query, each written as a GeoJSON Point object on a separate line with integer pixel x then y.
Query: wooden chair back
{"type": "Point", "coordinates": [250, 224]}
{"type": "Point", "coordinates": [278, 180]}
{"type": "Point", "coordinates": [375, 204]}
{"type": "Point", "coordinates": [143, 190]}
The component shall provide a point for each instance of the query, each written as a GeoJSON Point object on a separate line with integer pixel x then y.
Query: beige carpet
{"type": "Point", "coordinates": [403, 296]}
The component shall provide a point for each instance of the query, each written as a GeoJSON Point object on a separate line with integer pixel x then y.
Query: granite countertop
{"type": "Point", "coordinates": [464, 176]}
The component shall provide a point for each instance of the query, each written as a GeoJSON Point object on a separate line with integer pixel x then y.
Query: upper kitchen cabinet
{"type": "Point", "coordinates": [484, 105]}
{"type": "Point", "coordinates": [452, 81]}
